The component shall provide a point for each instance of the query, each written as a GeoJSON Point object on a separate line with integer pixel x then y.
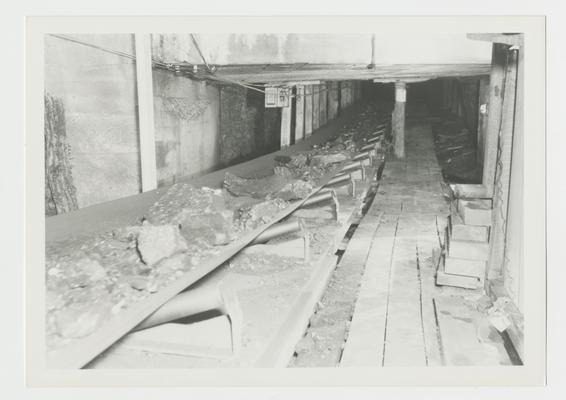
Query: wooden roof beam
{"type": "Point", "coordinates": [511, 39]}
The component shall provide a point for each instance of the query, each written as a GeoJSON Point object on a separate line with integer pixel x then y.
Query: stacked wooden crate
{"type": "Point", "coordinates": [467, 244]}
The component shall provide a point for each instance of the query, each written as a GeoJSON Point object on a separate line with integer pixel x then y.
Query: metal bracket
{"type": "Point", "coordinates": [293, 225]}
{"type": "Point", "coordinates": [307, 241]}
{"type": "Point", "coordinates": [365, 157]}
{"type": "Point", "coordinates": [343, 179]}
{"type": "Point", "coordinates": [321, 197]}
{"type": "Point", "coordinates": [276, 230]}
{"type": "Point", "coordinates": [374, 139]}
{"type": "Point", "coordinates": [198, 300]}
{"type": "Point", "coordinates": [353, 167]}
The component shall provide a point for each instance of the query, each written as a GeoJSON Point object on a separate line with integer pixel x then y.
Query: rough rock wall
{"type": "Point", "coordinates": [470, 102]}
{"type": "Point", "coordinates": [272, 129]}
{"type": "Point", "coordinates": [266, 123]}
{"type": "Point", "coordinates": [247, 128]}
{"type": "Point", "coordinates": [461, 97]}
{"type": "Point", "coordinates": [236, 139]}
{"type": "Point", "coordinates": [60, 191]}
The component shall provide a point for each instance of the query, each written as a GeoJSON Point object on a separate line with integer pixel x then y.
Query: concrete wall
{"type": "Point", "coordinates": [233, 125]}
{"type": "Point", "coordinates": [187, 127]}
{"type": "Point", "coordinates": [236, 48]}
{"type": "Point", "coordinates": [98, 92]}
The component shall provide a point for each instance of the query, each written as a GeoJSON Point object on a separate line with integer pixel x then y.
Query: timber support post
{"type": "Point", "coordinates": [308, 110]}
{"type": "Point", "coordinates": [300, 113]}
{"type": "Point", "coordinates": [144, 80]}
{"type": "Point", "coordinates": [483, 100]}
{"type": "Point", "coordinates": [286, 114]}
{"type": "Point", "coordinates": [496, 87]}
{"type": "Point", "coordinates": [398, 119]}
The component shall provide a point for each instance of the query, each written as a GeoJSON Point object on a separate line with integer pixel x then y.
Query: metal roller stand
{"type": "Point", "coordinates": [306, 240]}
{"type": "Point", "coordinates": [365, 158]}
{"type": "Point", "coordinates": [367, 161]}
{"type": "Point", "coordinates": [211, 298]}
{"type": "Point", "coordinates": [371, 148]}
{"type": "Point", "coordinates": [374, 139]}
{"type": "Point", "coordinates": [323, 197]}
{"type": "Point", "coordinates": [343, 179]}
{"type": "Point", "coordinates": [284, 228]}
{"type": "Point", "coordinates": [354, 166]}
{"type": "Point", "coordinates": [196, 301]}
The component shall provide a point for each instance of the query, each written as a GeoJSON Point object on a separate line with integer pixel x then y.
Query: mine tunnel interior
{"type": "Point", "coordinates": [281, 215]}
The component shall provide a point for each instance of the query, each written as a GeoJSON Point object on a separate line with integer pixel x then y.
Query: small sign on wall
{"type": "Point", "coordinates": [277, 97]}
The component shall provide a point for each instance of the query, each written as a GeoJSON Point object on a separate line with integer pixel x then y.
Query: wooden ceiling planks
{"type": "Point", "coordinates": [281, 73]}
{"type": "Point", "coordinates": [511, 39]}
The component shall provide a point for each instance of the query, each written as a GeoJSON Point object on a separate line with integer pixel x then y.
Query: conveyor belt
{"type": "Point", "coordinates": [129, 210]}
{"type": "Point", "coordinates": [79, 353]}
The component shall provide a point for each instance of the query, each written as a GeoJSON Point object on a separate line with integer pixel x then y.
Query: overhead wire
{"type": "Point", "coordinates": [106, 49]}
{"type": "Point", "coordinates": [174, 67]}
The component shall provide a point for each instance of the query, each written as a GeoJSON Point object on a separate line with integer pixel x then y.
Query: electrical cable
{"type": "Point", "coordinates": [107, 50]}
{"type": "Point", "coordinates": [211, 70]}
{"type": "Point", "coordinates": [173, 67]}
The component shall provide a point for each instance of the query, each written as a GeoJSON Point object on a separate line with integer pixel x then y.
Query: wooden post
{"type": "Point", "coordinates": [513, 260]}
{"type": "Point", "coordinates": [483, 99]}
{"type": "Point", "coordinates": [323, 98]}
{"type": "Point", "coordinates": [497, 75]}
{"type": "Point", "coordinates": [286, 126]}
{"type": "Point", "coordinates": [333, 100]}
{"type": "Point", "coordinates": [315, 107]}
{"type": "Point", "coordinates": [342, 89]}
{"type": "Point", "coordinates": [398, 119]}
{"type": "Point", "coordinates": [300, 113]}
{"type": "Point", "coordinates": [144, 80]}
{"type": "Point", "coordinates": [454, 95]}
{"type": "Point", "coordinates": [354, 91]}
{"type": "Point", "coordinates": [503, 170]}
{"type": "Point", "coordinates": [308, 110]}
{"type": "Point", "coordinates": [448, 95]}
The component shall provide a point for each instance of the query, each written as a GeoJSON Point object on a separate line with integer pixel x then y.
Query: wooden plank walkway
{"type": "Point", "coordinates": [394, 322]}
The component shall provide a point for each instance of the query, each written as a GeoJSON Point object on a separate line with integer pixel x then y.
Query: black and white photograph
{"type": "Point", "coordinates": [286, 200]}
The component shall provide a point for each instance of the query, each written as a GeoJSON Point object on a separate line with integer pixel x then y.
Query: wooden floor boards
{"type": "Point", "coordinates": [401, 317]}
